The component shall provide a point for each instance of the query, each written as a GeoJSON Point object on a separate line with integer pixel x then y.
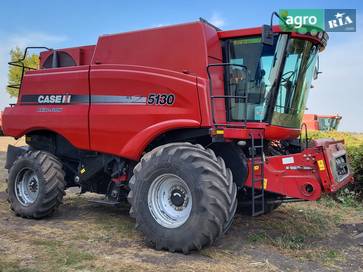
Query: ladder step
{"type": "Point", "coordinates": [257, 155]}
{"type": "Point", "coordinates": [258, 196]}
{"type": "Point", "coordinates": [258, 213]}
{"type": "Point", "coordinates": [258, 146]}
{"type": "Point", "coordinates": [258, 180]}
{"type": "Point", "coordinates": [105, 202]}
{"type": "Point", "coordinates": [259, 163]}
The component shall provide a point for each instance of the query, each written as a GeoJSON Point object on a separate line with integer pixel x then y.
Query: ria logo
{"type": "Point", "coordinates": [340, 20]}
{"type": "Point", "coordinates": [54, 99]}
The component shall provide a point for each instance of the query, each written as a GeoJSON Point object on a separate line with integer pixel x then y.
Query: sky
{"type": "Point", "coordinates": [59, 24]}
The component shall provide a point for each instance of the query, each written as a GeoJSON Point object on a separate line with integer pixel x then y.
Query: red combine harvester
{"type": "Point", "coordinates": [321, 122]}
{"type": "Point", "coordinates": [184, 121]}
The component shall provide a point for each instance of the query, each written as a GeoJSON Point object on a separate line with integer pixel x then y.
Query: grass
{"type": "Point", "coordinates": [3, 186]}
{"type": "Point", "coordinates": [328, 257]}
{"type": "Point", "coordinates": [257, 237]}
{"type": "Point", "coordinates": [13, 266]}
{"type": "Point", "coordinates": [63, 256]}
{"type": "Point", "coordinates": [88, 237]}
{"type": "Point", "coordinates": [294, 224]}
{"type": "Point", "coordinates": [343, 207]}
{"type": "Point", "coordinates": [296, 229]}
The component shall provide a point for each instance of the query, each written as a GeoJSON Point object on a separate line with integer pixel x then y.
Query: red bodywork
{"type": "Point", "coordinates": [312, 120]}
{"type": "Point", "coordinates": [166, 60]}
{"type": "Point", "coordinates": [294, 174]}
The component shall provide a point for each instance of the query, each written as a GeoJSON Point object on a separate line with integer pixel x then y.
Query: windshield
{"type": "Point", "coordinates": [294, 59]}
{"type": "Point", "coordinates": [328, 123]}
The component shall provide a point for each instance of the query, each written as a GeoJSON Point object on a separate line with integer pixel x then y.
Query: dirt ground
{"type": "Point", "coordinates": [82, 236]}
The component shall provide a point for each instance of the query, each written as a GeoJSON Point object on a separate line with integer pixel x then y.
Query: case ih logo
{"type": "Point", "coordinates": [54, 99]}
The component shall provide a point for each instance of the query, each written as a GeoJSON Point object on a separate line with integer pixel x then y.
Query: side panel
{"type": "Point", "coordinates": [178, 48]}
{"type": "Point", "coordinates": [68, 119]}
{"type": "Point", "coordinates": [126, 114]}
{"type": "Point", "coordinates": [307, 174]}
{"type": "Point", "coordinates": [290, 175]}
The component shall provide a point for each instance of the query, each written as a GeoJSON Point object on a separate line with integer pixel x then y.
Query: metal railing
{"type": "Point", "coordinates": [226, 97]}
{"type": "Point", "coordinates": [20, 63]}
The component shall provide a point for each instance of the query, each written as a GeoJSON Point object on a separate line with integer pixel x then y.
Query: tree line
{"type": "Point", "coordinates": [14, 73]}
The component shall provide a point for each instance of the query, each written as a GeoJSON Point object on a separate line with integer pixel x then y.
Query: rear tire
{"type": "Point", "coordinates": [182, 196]}
{"type": "Point", "coordinates": [35, 185]}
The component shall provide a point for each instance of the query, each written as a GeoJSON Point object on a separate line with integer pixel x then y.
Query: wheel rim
{"type": "Point", "coordinates": [26, 187]}
{"type": "Point", "coordinates": [170, 200]}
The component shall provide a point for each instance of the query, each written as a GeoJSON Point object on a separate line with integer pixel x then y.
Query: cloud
{"type": "Point", "coordinates": [339, 88]}
{"type": "Point", "coordinates": [20, 40]}
{"type": "Point", "coordinates": [158, 25]}
{"type": "Point", "coordinates": [30, 39]}
{"type": "Point", "coordinates": [217, 20]}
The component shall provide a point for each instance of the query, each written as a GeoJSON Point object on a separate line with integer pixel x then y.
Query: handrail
{"type": "Point", "coordinates": [245, 97]}
{"type": "Point", "coordinates": [306, 134]}
{"type": "Point", "coordinates": [20, 63]}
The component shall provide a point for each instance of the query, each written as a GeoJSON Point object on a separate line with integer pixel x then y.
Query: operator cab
{"type": "Point", "coordinates": [269, 83]}
{"type": "Point", "coordinates": [328, 123]}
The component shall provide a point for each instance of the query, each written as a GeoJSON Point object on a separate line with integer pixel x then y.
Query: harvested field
{"type": "Point", "coordinates": [83, 236]}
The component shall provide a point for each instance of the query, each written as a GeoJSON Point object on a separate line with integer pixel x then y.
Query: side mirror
{"type": "Point", "coordinates": [267, 35]}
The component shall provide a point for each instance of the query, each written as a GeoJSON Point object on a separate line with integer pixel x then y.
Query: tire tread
{"type": "Point", "coordinates": [219, 202]}
{"type": "Point", "coordinates": [53, 178]}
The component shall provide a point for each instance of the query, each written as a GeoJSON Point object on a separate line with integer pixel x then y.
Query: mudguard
{"type": "Point", "coordinates": [13, 153]}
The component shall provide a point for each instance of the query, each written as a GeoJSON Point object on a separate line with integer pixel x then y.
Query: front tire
{"type": "Point", "coordinates": [35, 185]}
{"type": "Point", "coordinates": [182, 196]}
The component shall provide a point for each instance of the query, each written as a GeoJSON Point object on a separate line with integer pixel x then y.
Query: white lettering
{"type": "Point", "coordinates": [313, 20]}
{"type": "Point", "coordinates": [298, 21]}
{"type": "Point", "coordinates": [348, 20]}
{"type": "Point", "coordinates": [290, 20]}
{"type": "Point", "coordinates": [54, 99]}
{"type": "Point", "coordinates": [40, 99]}
{"type": "Point", "coordinates": [58, 99]}
{"type": "Point", "coordinates": [333, 23]}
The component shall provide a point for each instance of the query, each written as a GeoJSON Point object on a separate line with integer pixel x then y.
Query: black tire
{"type": "Point", "coordinates": [51, 185]}
{"type": "Point", "coordinates": [246, 209]}
{"type": "Point", "coordinates": [212, 190]}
